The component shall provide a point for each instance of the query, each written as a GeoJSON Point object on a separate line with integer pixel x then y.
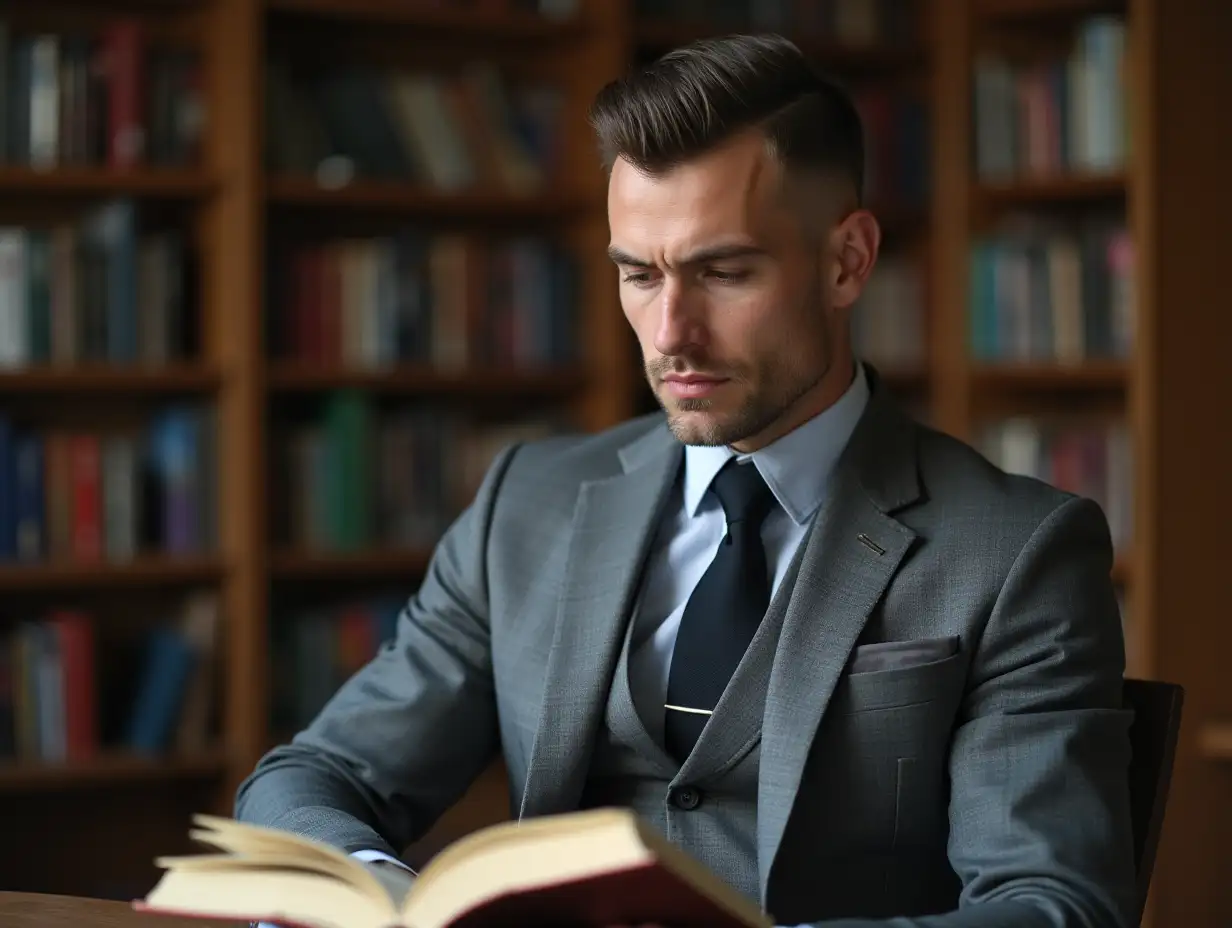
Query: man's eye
{"type": "Point", "coordinates": [637, 278]}
{"type": "Point", "coordinates": [728, 277]}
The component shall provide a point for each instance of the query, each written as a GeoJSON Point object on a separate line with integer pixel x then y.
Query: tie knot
{"type": "Point", "coordinates": [744, 494]}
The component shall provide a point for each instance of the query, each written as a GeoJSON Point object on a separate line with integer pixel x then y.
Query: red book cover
{"type": "Point", "coordinates": [85, 470]}
{"type": "Point", "coordinates": [122, 55]}
{"type": "Point", "coordinates": [75, 638]}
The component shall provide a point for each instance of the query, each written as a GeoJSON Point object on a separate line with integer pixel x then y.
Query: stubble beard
{"type": "Point", "coordinates": [697, 422]}
{"type": "Point", "coordinates": [770, 389]}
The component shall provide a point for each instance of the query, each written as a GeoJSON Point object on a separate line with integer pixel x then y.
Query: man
{"type": "Point", "coordinates": [855, 669]}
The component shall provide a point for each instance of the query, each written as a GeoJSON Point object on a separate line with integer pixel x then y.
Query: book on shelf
{"type": "Point", "coordinates": [102, 289]}
{"type": "Point", "coordinates": [1065, 115]}
{"type": "Point", "coordinates": [448, 131]}
{"type": "Point", "coordinates": [69, 694]}
{"type": "Point", "coordinates": [599, 867]}
{"type": "Point", "coordinates": [91, 495]}
{"type": "Point", "coordinates": [115, 98]}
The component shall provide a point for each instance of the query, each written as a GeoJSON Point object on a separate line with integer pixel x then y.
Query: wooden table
{"type": "Point", "coordinates": [34, 910]}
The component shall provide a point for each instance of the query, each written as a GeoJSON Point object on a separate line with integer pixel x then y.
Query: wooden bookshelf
{"type": "Point", "coordinates": [324, 567]}
{"type": "Point", "coordinates": [304, 378]}
{"type": "Point", "coordinates": [1172, 189]}
{"type": "Point", "coordinates": [109, 379]}
{"type": "Point", "coordinates": [1034, 10]}
{"type": "Point", "coordinates": [1052, 378]}
{"type": "Point", "coordinates": [108, 770]}
{"type": "Point", "coordinates": [401, 198]}
{"type": "Point", "coordinates": [660, 35]}
{"type": "Point", "coordinates": [164, 183]}
{"type": "Point", "coordinates": [504, 25]}
{"type": "Point", "coordinates": [1215, 741]}
{"type": "Point", "coordinates": [142, 572]}
{"type": "Point", "coordinates": [1164, 391]}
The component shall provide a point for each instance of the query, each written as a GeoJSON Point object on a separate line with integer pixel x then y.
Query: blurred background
{"type": "Point", "coordinates": [278, 277]}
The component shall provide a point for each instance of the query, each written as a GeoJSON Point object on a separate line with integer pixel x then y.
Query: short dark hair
{"type": "Point", "coordinates": [695, 97]}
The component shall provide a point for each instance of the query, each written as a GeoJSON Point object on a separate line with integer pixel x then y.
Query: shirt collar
{"type": "Point", "coordinates": [797, 466]}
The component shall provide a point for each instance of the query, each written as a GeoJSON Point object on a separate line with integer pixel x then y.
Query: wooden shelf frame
{"type": "Point", "coordinates": [108, 769]}
{"type": "Point", "coordinates": [162, 183]}
{"type": "Point", "coordinates": [1180, 211]}
{"type": "Point", "coordinates": [111, 380]}
{"type": "Point", "coordinates": [291, 377]}
{"type": "Point", "coordinates": [469, 24]}
{"type": "Point", "coordinates": [393, 197]}
{"type": "Point", "coordinates": [1177, 205]}
{"type": "Point", "coordinates": [143, 572]}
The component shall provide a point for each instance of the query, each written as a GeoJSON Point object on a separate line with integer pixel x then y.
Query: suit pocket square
{"type": "Point", "coordinates": [896, 655]}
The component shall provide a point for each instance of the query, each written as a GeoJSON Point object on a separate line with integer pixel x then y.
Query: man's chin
{"type": "Point", "coordinates": [693, 426]}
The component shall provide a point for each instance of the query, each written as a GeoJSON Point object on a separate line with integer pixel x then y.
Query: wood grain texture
{"type": "Point", "coordinates": [37, 910]}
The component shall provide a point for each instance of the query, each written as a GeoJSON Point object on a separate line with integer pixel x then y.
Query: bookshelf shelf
{"type": "Point", "coordinates": [107, 769]}
{"type": "Point", "coordinates": [1215, 741]}
{"type": "Point", "coordinates": [995, 10]}
{"type": "Point", "coordinates": [1088, 375]}
{"type": "Point", "coordinates": [110, 380]}
{"type": "Point", "coordinates": [148, 571]}
{"type": "Point", "coordinates": [833, 55]}
{"type": "Point", "coordinates": [403, 198]}
{"type": "Point", "coordinates": [1054, 190]}
{"type": "Point", "coordinates": [161, 183]}
{"type": "Point", "coordinates": [467, 23]}
{"type": "Point", "coordinates": [360, 565]}
{"type": "Point", "coordinates": [287, 377]}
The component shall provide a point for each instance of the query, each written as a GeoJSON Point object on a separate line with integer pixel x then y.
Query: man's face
{"type": "Point", "coordinates": [727, 293]}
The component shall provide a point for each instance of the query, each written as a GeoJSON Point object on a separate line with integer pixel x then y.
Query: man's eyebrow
{"type": "Point", "coordinates": [623, 257]}
{"type": "Point", "coordinates": [723, 253]}
{"type": "Point", "coordinates": [701, 256]}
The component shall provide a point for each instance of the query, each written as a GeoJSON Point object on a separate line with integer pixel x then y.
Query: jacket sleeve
{"type": "Point", "coordinates": [1040, 829]}
{"type": "Point", "coordinates": [403, 738]}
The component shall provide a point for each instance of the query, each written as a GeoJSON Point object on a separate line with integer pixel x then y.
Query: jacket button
{"type": "Point", "coordinates": [687, 798]}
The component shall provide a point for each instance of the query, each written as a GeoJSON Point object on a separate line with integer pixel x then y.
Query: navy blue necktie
{"type": "Point", "coordinates": [723, 612]}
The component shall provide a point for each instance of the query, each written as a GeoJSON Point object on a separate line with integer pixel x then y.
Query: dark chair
{"type": "Point", "coordinates": [1152, 737]}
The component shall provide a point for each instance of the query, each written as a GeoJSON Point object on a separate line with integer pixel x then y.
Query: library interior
{"type": "Point", "coordinates": [268, 311]}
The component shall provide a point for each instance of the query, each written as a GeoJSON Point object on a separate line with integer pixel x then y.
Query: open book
{"type": "Point", "coordinates": [595, 868]}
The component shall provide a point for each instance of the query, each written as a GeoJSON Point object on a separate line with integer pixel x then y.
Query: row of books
{"type": "Point", "coordinates": [849, 22]}
{"type": "Point", "coordinates": [897, 167]}
{"type": "Point", "coordinates": [1042, 290]}
{"type": "Point", "coordinates": [450, 131]}
{"type": "Point", "coordinates": [888, 322]}
{"type": "Point", "coordinates": [98, 290]}
{"type": "Point", "coordinates": [315, 650]}
{"type": "Point", "coordinates": [88, 496]}
{"type": "Point", "coordinates": [1090, 458]}
{"type": "Point", "coordinates": [1054, 116]}
{"type": "Point", "coordinates": [446, 299]}
{"type": "Point", "coordinates": [110, 98]}
{"type": "Point", "coordinates": [362, 475]}
{"type": "Point", "coordinates": [65, 694]}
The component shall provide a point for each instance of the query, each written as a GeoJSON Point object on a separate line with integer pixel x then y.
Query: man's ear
{"type": "Point", "coordinates": [854, 245]}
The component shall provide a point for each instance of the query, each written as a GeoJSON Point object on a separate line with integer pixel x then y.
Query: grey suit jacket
{"type": "Point", "coordinates": [944, 701]}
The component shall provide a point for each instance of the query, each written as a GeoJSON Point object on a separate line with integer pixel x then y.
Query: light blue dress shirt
{"type": "Point", "coordinates": [797, 468]}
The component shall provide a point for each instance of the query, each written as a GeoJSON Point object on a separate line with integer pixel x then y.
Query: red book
{"type": "Point", "coordinates": [75, 637]}
{"type": "Point", "coordinates": [85, 479]}
{"type": "Point", "coordinates": [123, 63]}
{"type": "Point", "coordinates": [596, 868]}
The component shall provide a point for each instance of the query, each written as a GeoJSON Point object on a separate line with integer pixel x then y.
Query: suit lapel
{"type": "Point", "coordinates": [851, 554]}
{"type": "Point", "coordinates": [613, 523]}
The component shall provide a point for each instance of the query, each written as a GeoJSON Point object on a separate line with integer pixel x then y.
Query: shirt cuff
{"type": "Point", "coordinates": [370, 855]}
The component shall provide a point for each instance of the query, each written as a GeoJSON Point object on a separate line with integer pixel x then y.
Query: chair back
{"type": "Point", "coordinates": [1152, 736]}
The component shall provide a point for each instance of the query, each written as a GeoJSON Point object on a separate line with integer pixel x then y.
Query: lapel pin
{"type": "Point", "coordinates": [870, 544]}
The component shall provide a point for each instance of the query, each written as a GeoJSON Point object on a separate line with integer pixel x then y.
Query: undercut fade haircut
{"type": "Point", "coordinates": [696, 97]}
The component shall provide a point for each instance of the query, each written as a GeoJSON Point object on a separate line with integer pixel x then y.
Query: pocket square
{"type": "Point", "coordinates": [894, 655]}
